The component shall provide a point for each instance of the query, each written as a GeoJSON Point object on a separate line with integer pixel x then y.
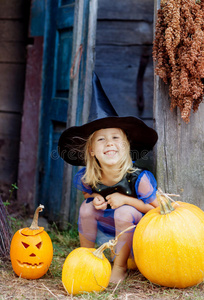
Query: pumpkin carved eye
{"type": "Point", "coordinates": [39, 245]}
{"type": "Point", "coordinates": [25, 245]}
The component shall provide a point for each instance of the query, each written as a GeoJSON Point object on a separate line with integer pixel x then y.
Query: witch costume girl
{"type": "Point", "coordinates": [117, 193]}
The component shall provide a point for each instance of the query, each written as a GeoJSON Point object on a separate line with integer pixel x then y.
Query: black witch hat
{"type": "Point", "coordinates": [102, 115]}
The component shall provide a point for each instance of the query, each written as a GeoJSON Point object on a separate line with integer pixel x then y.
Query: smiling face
{"type": "Point", "coordinates": [109, 146]}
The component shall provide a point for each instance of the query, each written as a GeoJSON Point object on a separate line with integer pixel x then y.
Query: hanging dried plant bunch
{"type": "Point", "coordinates": [178, 49]}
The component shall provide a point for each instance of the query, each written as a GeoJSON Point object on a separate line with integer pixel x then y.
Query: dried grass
{"type": "Point", "coordinates": [13, 287]}
{"type": "Point", "coordinates": [135, 287]}
{"type": "Point", "coordinates": [49, 287]}
{"type": "Point", "coordinates": [5, 231]}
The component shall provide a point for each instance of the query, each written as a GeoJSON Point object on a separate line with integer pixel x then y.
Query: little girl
{"type": "Point", "coordinates": [117, 193]}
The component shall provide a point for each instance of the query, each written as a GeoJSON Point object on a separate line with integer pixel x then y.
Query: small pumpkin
{"type": "Point", "coordinates": [168, 244]}
{"type": "Point", "coordinates": [31, 250]}
{"type": "Point", "coordinates": [87, 269]}
{"type": "Point", "coordinates": [131, 265]}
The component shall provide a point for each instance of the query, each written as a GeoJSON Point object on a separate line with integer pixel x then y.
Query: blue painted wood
{"type": "Point", "coordinates": [65, 17]}
{"type": "Point", "coordinates": [58, 110]}
{"type": "Point", "coordinates": [37, 18]}
{"type": "Point", "coordinates": [58, 38]}
{"type": "Point", "coordinates": [63, 62]}
{"type": "Point", "coordinates": [67, 2]}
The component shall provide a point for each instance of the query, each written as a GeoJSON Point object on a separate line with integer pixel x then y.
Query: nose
{"type": "Point", "coordinates": [32, 255]}
{"type": "Point", "coordinates": [109, 143]}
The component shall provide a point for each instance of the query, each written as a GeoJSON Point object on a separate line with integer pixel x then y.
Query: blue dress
{"type": "Point", "coordinates": [129, 185]}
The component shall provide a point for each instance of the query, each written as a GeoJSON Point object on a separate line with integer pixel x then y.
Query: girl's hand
{"type": "Point", "coordinates": [116, 200]}
{"type": "Point", "coordinates": [99, 202]}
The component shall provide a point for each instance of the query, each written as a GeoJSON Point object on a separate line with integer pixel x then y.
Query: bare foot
{"type": "Point", "coordinates": [118, 274]}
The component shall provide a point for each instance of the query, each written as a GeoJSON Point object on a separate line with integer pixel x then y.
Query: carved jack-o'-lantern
{"type": "Point", "coordinates": [31, 250]}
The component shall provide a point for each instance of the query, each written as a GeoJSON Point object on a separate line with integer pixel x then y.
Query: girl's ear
{"type": "Point", "coordinates": [91, 152]}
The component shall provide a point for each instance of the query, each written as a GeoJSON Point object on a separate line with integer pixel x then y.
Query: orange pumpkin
{"type": "Point", "coordinates": [131, 265]}
{"type": "Point", "coordinates": [31, 250]}
{"type": "Point", "coordinates": [87, 269]}
{"type": "Point", "coordinates": [168, 244]}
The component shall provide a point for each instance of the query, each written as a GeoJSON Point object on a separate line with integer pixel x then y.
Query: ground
{"type": "Point", "coordinates": [50, 287]}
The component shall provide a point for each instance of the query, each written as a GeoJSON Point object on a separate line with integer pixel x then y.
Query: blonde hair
{"type": "Point", "coordinates": [93, 172]}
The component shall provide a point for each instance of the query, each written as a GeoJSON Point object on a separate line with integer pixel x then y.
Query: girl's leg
{"type": "Point", "coordinates": [124, 217]}
{"type": "Point", "coordinates": [84, 242]}
{"type": "Point", "coordinates": [87, 224]}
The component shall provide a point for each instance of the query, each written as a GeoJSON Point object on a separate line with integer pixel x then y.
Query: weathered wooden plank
{"type": "Point", "coordinates": [12, 77]}
{"type": "Point", "coordinates": [118, 68]}
{"type": "Point", "coordinates": [13, 52]}
{"type": "Point", "coordinates": [12, 9]}
{"type": "Point", "coordinates": [180, 149]}
{"type": "Point", "coordinates": [113, 55]}
{"type": "Point", "coordinates": [37, 17]}
{"type": "Point", "coordinates": [124, 33]}
{"type": "Point", "coordinates": [126, 10]}
{"type": "Point", "coordinates": [84, 33]}
{"type": "Point", "coordinates": [120, 45]}
{"type": "Point", "coordinates": [29, 130]}
{"type": "Point", "coordinates": [120, 86]}
{"type": "Point", "coordinates": [65, 17]}
{"type": "Point", "coordinates": [12, 30]}
{"type": "Point", "coordinates": [9, 147]}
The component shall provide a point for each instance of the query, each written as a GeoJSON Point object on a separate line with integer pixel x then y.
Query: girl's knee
{"type": "Point", "coordinates": [86, 210]}
{"type": "Point", "coordinates": [127, 214]}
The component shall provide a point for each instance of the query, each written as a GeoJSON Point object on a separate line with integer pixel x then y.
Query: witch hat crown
{"type": "Point", "coordinates": [102, 115]}
{"type": "Point", "coordinates": [100, 104]}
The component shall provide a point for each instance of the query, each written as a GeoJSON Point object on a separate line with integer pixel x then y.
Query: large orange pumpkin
{"type": "Point", "coordinates": [31, 250]}
{"type": "Point", "coordinates": [168, 244]}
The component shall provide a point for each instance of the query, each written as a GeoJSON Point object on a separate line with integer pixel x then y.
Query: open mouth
{"type": "Point", "coordinates": [110, 152]}
{"type": "Point", "coordinates": [29, 265]}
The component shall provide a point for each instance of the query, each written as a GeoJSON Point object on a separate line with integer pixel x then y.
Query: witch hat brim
{"type": "Point", "coordinates": [72, 141]}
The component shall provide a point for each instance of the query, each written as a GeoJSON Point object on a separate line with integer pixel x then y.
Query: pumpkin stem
{"type": "Point", "coordinates": [164, 203]}
{"type": "Point", "coordinates": [110, 244]}
{"type": "Point", "coordinates": [34, 224]}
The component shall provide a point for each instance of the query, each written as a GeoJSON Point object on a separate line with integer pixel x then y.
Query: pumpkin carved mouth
{"type": "Point", "coordinates": [29, 265]}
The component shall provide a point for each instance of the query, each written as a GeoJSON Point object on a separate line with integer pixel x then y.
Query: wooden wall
{"type": "Point", "coordinates": [13, 33]}
{"type": "Point", "coordinates": [124, 62]}
{"type": "Point", "coordinates": [123, 41]}
{"type": "Point", "coordinates": [180, 147]}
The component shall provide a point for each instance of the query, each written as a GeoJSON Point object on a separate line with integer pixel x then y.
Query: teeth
{"type": "Point", "coordinates": [28, 265]}
{"type": "Point", "coordinates": [110, 152]}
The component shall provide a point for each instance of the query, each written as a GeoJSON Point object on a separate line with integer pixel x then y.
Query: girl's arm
{"type": "Point", "coordinates": [140, 205]}
{"type": "Point", "coordinates": [145, 188]}
{"type": "Point", "coordinates": [116, 200]}
{"type": "Point", "coordinates": [98, 200]}
{"type": "Point", "coordinates": [87, 195]}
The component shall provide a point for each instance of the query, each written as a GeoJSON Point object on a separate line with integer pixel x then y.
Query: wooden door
{"type": "Point", "coordinates": [68, 49]}
{"type": "Point", "coordinates": [58, 39]}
